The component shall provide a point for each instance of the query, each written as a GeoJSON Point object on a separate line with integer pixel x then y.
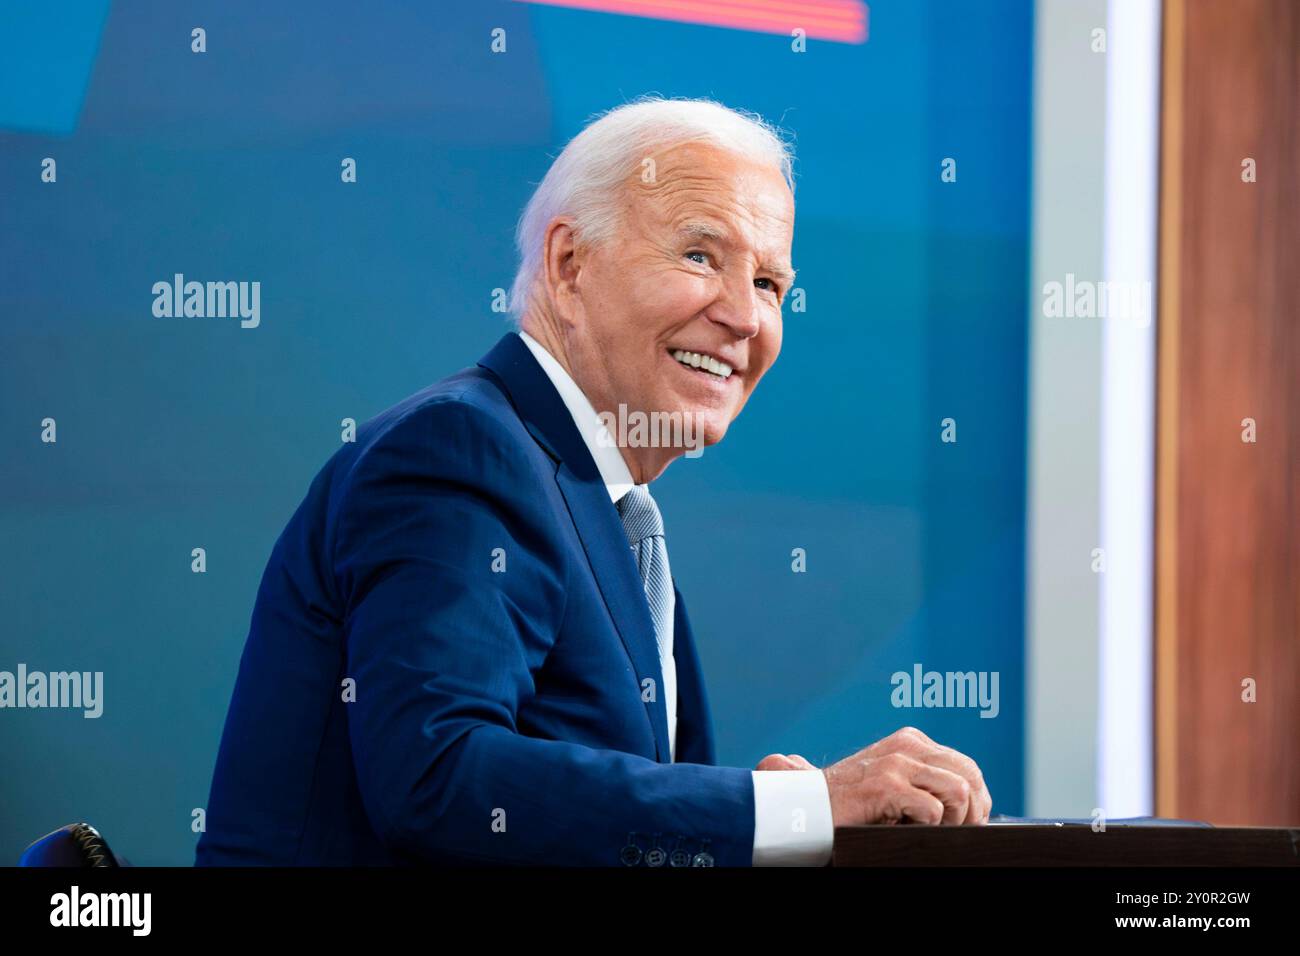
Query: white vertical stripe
{"type": "Point", "coordinates": [1128, 411]}
{"type": "Point", "coordinates": [1063, 463]}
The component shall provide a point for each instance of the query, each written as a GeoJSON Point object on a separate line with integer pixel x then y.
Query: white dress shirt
{"type": "Point", "coordinates": [792, 808]}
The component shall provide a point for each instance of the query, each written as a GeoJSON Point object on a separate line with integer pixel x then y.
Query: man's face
{"type": "Point", "coordinates": [701, 265]}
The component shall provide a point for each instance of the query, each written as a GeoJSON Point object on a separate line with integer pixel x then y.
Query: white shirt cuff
{"type": "Point", "coordinates": [792, 818]}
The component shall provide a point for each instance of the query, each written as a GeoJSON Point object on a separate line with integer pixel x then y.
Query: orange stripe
{"type": "Point", "coordinates": [1167, 316]}
{"type": "Point", "coordinates": [822, 21]}
{"type": "Point", "coordinates": [852, 11]}
{"type": "Point", "coordinates": [776, 11]}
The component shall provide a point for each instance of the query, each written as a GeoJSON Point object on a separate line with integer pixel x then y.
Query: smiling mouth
{"type": "Point", "coordinates": [715, 368]}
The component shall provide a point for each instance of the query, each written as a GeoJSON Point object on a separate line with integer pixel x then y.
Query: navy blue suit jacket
{"type": "Point", "coordinates": [499, 715]}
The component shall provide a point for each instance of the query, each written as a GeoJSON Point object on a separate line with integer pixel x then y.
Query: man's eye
{"type": "Point", "coordinates": [703, 260]}
{"type": "Point", "coordinates": [771, 286]}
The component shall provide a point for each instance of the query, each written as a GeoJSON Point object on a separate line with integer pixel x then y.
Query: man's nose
{"type": "Point", "coordinates": [737, 308]}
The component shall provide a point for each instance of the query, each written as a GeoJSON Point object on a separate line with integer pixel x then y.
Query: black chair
{"type": "Point", "coordinates": [76, 845]}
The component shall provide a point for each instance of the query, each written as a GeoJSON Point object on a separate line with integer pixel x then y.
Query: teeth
{"type": "Point", "coordinates": [701, 361]}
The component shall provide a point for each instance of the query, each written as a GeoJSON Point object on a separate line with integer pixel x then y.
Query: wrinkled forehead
{"type": "Point", "coordinates": [695, 184]}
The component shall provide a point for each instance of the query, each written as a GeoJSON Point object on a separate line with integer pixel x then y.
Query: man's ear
{"type": "Point", "coordinates": [561, 265]}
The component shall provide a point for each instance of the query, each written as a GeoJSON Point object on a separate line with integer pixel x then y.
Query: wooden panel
{"type": "Point", "coordinates": [1228, 511]}
{"type": "Point", "coordinates": [1069, 845]}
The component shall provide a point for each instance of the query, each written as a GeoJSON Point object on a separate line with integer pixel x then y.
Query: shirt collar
{"type": "Point", "coordinates": [609, 460]}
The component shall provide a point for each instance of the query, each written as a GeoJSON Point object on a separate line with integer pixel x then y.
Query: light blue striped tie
{"type": "Point", "coordinates": [644, 528]}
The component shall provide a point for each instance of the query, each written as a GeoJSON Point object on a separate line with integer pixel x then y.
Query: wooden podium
{"type": "Point", "coordinates": [1065, 845]}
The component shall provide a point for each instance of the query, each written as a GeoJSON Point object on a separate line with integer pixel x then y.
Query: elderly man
{"type": "Point", "coordinates": [468, 647]}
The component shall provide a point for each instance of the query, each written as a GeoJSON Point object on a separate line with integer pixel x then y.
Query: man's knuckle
{"type": "Point", "coordinates": [897, 763]}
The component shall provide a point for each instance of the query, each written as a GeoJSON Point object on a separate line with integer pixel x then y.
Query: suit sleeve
{"type": "Point", "coordinates": [443, 650]}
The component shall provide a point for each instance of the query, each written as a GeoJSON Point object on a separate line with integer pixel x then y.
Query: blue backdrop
{"type": "Point", "coordinates": [182, 433]}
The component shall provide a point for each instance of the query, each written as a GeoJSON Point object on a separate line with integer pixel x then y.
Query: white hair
{"type": "Point", "coordinates": [584, 180]}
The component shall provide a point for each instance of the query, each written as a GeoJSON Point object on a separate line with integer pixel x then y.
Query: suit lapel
{"type": "Point", "coordinates": [594, 516]}
{"type": "Point", "coordinates": [601, 531]}
{"type": "Point", "coordinates": [694, 722]}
